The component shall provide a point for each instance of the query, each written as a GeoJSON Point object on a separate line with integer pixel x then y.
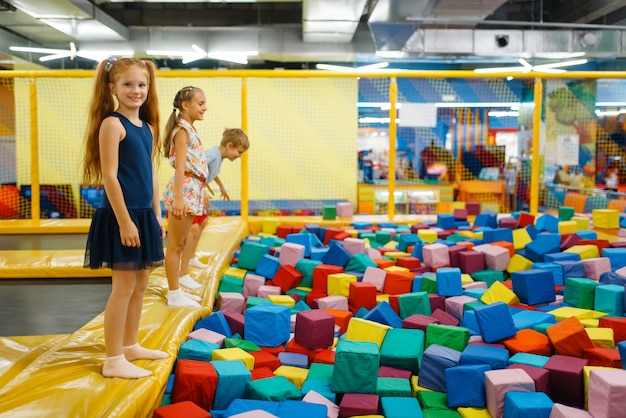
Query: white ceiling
{"type": "Point", "coordinates": [301, 33]}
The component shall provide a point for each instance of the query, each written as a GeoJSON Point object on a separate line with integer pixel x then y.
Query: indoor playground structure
{"type": "Point", "coordinates": [352, 275]}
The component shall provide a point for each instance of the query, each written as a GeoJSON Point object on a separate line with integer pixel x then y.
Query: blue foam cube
{"type": "Point", "coordinates": [449, 281]}
{"type": "Point", "coordinates": [465, 385]}
{"type": "Point", "coordinates": [495, 357]}
{"type": "Point", "coordinates": [267, 324]}
{"type": "Point", "coordinates": [534, 286]}
{"type": "Point", "coordinates": [384, 314]}
{"type": "Point", "coordinates": [435, 361]}
{"type": "Point", "coordinates": [267, 266]}
{"type": "Point", "coordinates": [336, 255]}
{"type": "Point", "coordinates": [527, 405]}
{"type": "Point", "coordinates": [495, 322]}
{"type": "Point", "coordinates": [557, 271]}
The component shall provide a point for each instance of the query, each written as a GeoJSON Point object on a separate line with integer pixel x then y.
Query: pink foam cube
{"type": "Point", "coordinates": [475, 285]}
{"type": "Point", "coordinates": [499, 382]}
{"type": "Point", "coordinates": [255, 413]}
{"type": "Point", "coordinates": [206, 335]}
{"type": "Point", "coordinates": [230, 300]}
{"type": "Point", "coordinates": [594, 267]}
{"type": "Point", "coordinates": [251, 284]}
{"type": "Point", "coordinates": [454, 305]}
{"type": "Point", "coordinates": [290, 253]}
{"type": "Point", "coordinates": [339, 303]}
{"type": "Point", "coordinates": [332, 410]}
{"type": "Point", "coordinates": [354, 245]}
{"type": "Point", "coordinates": [496, 257]}
{"type": "Point", "coordinates": [436, 255]}
{"type": "Point", "coordinates": [373, 253]}
{"type": "Point", "coordinates": [375, 276]}
{"type": "Point", "coordinates": [345, 209]}
{"type": "Point", "coordinates": [563, 411]}
{"type": "Point", "coordinates": [607, 388]}
{"type": "Point", "coordinates": [266, 290]}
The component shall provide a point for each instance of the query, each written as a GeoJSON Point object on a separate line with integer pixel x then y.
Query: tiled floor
{"type": "Point", "coordinates": [50, 306]}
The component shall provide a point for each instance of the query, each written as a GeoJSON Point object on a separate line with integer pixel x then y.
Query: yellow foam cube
{"type": "Point", "coordinates": [518, 263]}
{"type": "Point", "coordinates": [568, 227]}
{"type": "Point", "coordinates": [395, 268]}
{"type": "Point", "coordinates": [353, 232]}
{"type": "Point", "coordinates": [415, 386]}
{"type": "Point", "coordinates": [394, 255]}
{"type": "Point", "coordinates": [584, 251]}
{"type": "Point", "coordinates": [284, 300]}
{"type": "Point", "coordinates": [583, 222]}
{"type": "Point", "coordinates": [427, 235]}
{"type": "Point", "coordinates": [296, 375]}
{"type": "Point", "coordinates": [521, 237]}
{"type": "Point", "coordinates": [338, 284]}
{"type": "Point", "coordinates": [493, 206]}
{"type": "Point", "coordinates": [602, 337]}
{"type": "Point", "coordinates": [567, 312]}
{"type": "Point", "coordinates": [590, 323]}
{"type": "Point", "coordinates": [360, 329]}
{"type": "Point", "coordinates": [391, 245]}
{"type": "Point", "coordinates": [270, 226]}
{"type": "Point", "coordinates": [236, 272]}
{"type": "Point", "coordinates": [498, 292]}
{"type": "Point", "coordinates": [382, 297]}
{"type": "Point", "coordinates": [468, 234]}
{"type": "Point", "coordinates": [478, 234]}
{"type": "Point", "coordinates": [473, 412]}
{"type": "Point", "coordinates": [605, 218]}
{"type": "Point", "coordinates": [466, 279]}
{"type": "Point", "coordinates": [234, 353]}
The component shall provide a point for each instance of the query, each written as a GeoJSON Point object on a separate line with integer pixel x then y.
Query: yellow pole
{"type": "Point", "coordinates": [534, 174]}
{"type": "Point", "coordinates": [244, 156]}
{"type": "Point", "coordinates": [34, 154]}
{"type": "Point", "coordinates": [391, 173]}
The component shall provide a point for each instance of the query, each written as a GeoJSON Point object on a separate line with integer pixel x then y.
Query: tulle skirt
{"type": "Point", "coordinates": [105, 249]}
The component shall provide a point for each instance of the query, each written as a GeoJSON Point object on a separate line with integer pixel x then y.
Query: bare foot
{"type": "Point", "coordinates": [118, 366]}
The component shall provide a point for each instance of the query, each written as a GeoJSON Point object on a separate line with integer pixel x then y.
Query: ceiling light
{"type": "Point", "coordinates": [526, 67]}
{"type": "Point", "coordinates": [71, 53]}
{"type": "Point", "coordinates": [391, 54]}
{"type": "Point", "coordinates": [239, 57]}
{"type": "Point", "coordinates": [342, 68]}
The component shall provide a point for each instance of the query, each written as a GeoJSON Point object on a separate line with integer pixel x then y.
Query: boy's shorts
{"type": "Point", "coordinates": [199, 218]}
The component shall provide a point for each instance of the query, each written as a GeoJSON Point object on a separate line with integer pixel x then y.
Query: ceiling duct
{"type": "Point", "coordinates": [333, 21]}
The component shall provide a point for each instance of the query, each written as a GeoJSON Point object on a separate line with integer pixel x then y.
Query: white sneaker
{"type": "Point", "coordinates": [188, 282]}
{"type": "Point", "coordinates": [178, 299]}
{"type": "Point", "coordinates": [194, 262]}
{"type": "Point", "coordinates": [192, 296]}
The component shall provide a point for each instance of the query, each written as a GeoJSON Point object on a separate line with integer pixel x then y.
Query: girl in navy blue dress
{"type": "Point", "coordinates": [126, 230]}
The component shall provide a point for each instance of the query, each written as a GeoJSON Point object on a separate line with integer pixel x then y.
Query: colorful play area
{"type": "Point", "coordinates": [392, 275]}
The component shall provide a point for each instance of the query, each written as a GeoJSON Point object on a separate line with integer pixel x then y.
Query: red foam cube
{"type": "Point", "coordinates": [185, 409]}
{"type": "Point", "coordinates": [362, 295]}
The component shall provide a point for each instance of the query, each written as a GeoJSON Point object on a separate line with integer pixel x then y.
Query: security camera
{"type": "Point", "coordinates": [502, 40]}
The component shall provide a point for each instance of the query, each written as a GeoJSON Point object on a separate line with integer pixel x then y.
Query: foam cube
{"type": "Point", "coordinates": [413, 303]}
{"type": "Point", "coordinates": [527, 404]}
{"type": "Point", "coordinates": [358, 404]}
{"type": "Point", "coordinates": [207, 335]}
{"type": "Point", "coordinates": [250, 253]}
{"type": "Point", "coordinates": [436, 255]}
{"type": "Point", "coordinates": [314, 329]}
{"type": "Point", "coordinates": [233, 376]}
{"type": "Point", "coordinates": [449, 281]}
{"type": "Point", "coordinates": [564, 411]}
{"type": "Point", "coordinates": [435, 361]}
{"type": "Point", "coordinates": [252, 282]}
{"type": "Point", "coordinates": [580, 292]}
{"type": "Point", "coordinates": [360, 329]}
{"type": "Point", "coordinates": [471, 261]}
{"type": "Point", "coordinates": [566, 379]}
{"type": "Point", "coordinates": [569, 337]}
{"type": "Point", "coordinates": [267, 290]}
{"type": "Point", "coordinates": [186, 409]}
{"type": "Point", "coordinates": [197, 350]}
{"type": "Point", "coordinates": [336, 255]}
{"type": "Point", "coordinates": [495, 322]}
{"type": "Point", "coordinates": [609, 298]}
{"type": "Point", "coordinates": [534, 286]}
{"type": "Point", "coordinates": [333, 302]}
{"type": "Point", "coordinates": [231, 301]}
{"type": "Point", "coordinates": [275, 388]}
{"type": "Point", "coordinates": [605, 218]}
{"type": "Point", "coordinates": [402, 348]}
{"type": "Point", "coordinates": [529, 341]}
{"type": "Point", "coordinates": [311, 396]}
{"type": "Point", "coordinates": [447, 336]}
{"type": "Point", "coordinates": [540, 376]}
{"type": "Point", "coordinates": [356, 367]}
{"type": "Point", "coordinates": [496, 257]}
{"type": "Point", "coordinates": [399, 407]}
{"type": "Point", "coordinates": [499, 382]}
{"type": "Point", "coordinates": [495, 357]}
{"type": "Point", "coordinates": [268, 324]}
{"type": "Point", "coordinates": [465, 385]}
{"type": "Point", "coordinates": [362, 295]}
{"type": "Point", "coordinates": [195, 381]}
{"type": "Point", "coordinates": [339, 284]}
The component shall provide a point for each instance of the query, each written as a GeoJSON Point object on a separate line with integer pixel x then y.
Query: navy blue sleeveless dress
{"type": "Point", "coordinates": [104, 246]}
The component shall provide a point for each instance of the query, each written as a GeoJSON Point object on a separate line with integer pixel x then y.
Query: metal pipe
{"type": "Point", "coordinates": [473, 23]}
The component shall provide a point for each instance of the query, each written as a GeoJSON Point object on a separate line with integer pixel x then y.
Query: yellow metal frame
{"type": "Point", "coordinates": [393, 93]}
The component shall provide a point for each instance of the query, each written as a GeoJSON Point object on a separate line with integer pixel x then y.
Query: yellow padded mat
{"type": "Point", "coordinates": [60, 376]}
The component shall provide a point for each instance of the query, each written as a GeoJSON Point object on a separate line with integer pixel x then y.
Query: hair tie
{"type": "Point", "coordinates": [110, 63]}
